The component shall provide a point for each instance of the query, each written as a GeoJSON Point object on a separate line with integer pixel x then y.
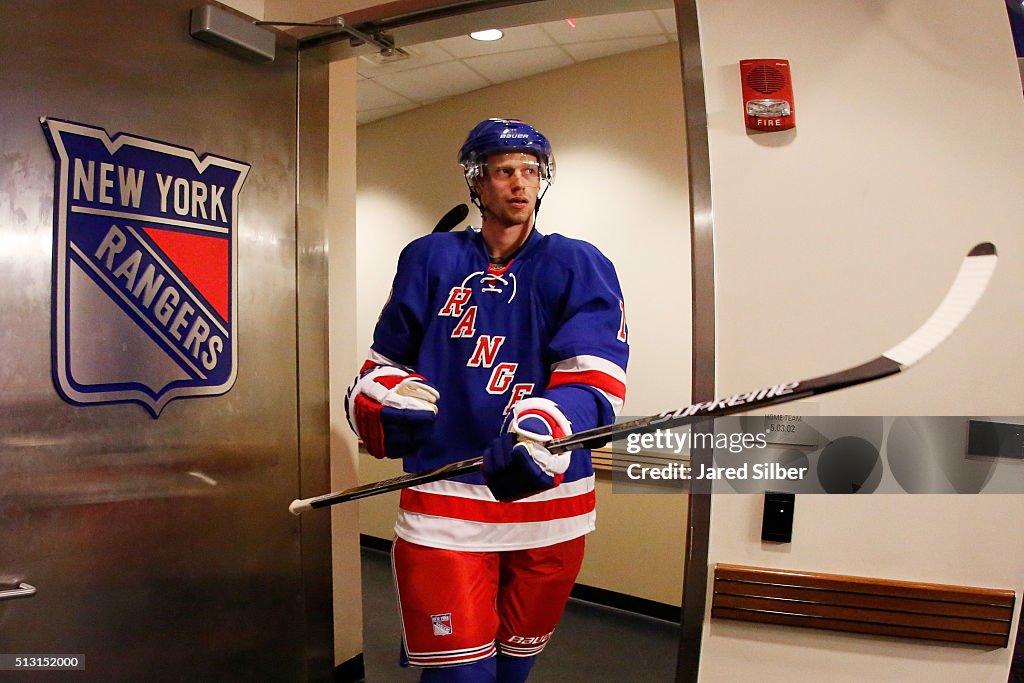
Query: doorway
{"type": "Point", "coordinates": [406, 131]}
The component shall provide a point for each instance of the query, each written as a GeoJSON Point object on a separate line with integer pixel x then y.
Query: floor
{"type": "Point", "coordinates": [593, 643]}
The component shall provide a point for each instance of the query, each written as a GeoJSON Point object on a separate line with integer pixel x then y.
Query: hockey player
{"type": "Point", "coordinates": [493, 341]}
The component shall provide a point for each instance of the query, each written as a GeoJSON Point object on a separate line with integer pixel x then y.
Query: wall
{"type": "Point", "coordinates": [253, 8]}
{"type": "Point", "coordinates": [833, 242]}
{"type": "Point", "coordinates": [348, 634]}
{"type": "Point", "coordinates": [305, 10]}
{"type": "Point", "coordinates": [621, 184]}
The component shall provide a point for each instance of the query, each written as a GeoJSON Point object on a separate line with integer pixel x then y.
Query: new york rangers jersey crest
{"type": "Point", "coordinates": [144, 268]}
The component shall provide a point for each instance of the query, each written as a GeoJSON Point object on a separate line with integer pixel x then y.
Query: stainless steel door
{"type": "Point", "coordinates": [161, 549]}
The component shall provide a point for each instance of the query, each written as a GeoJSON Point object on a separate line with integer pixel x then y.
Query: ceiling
{"type": "Point", "coordinates": [438, 69]}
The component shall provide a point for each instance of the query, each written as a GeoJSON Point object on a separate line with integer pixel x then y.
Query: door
{"type": "Point", "coordinates": [160, 548]}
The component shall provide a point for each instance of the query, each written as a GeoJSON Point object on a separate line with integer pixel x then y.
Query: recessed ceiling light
{"type": "Point", "coordinates": [488, 35]}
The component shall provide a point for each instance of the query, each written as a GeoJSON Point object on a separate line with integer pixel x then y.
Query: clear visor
{"type": "Point", "coordinates": [527, 168]}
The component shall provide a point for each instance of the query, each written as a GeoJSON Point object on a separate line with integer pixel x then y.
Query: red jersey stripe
{"type": "Point", "coordinates": [594, 378]}
{"type": "Point", "coordinates": [493, 512]}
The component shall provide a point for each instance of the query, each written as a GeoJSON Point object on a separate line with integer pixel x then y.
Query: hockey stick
{"type": "Point", "coordinates": [455, 215]}
{"type": "Point", "coordinates": [971, 281]}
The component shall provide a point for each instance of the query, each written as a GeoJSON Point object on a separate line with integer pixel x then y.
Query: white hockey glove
{"type": "Point", "coordinates": [392, 410]}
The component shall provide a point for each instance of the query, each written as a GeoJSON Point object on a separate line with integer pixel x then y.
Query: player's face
{"type": "Point", "coordinates": [509, 187]}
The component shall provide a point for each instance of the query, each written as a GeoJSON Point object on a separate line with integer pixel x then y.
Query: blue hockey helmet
{"type": "Point", "coordinates": [498, 136]}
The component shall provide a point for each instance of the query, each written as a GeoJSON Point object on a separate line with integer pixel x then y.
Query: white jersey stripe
{"type": "Point", "coordinates": [587, 363]}
{"type": "Point", "coordinates": [380, 359]}
{"type": "Point", "coordinates": [459, 534]}
{"type": "Point", "coordinates": [614, 400]}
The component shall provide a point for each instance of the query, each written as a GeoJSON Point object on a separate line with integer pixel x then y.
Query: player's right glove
{"type": "Point", "coordinates": [517, 464]}
{"type": "Point", "coordinates": [392, 410]}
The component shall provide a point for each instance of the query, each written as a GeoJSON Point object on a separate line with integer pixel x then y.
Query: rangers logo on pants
{"type": "Point", "coordinates": [442, 624]}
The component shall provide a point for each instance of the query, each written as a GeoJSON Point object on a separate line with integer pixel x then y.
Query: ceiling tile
{"type": "Point", "coordinates": [613, 26]}
{"type": "Point", "coordinates": [370, 95]}
{"type": "Point", "coordinates": [605, 48]}
{"type": "Point", "coordinates": [518, 38]}
{"type": "Point", "coordinates": [511, 65]}
{"type": "Point", "coordinates": [432, 82]}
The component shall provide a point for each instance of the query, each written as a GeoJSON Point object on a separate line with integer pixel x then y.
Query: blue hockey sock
{"type": "Point", "coordinates": [482, 671]}
{"type": "Point", "coordinates": [514, 669]}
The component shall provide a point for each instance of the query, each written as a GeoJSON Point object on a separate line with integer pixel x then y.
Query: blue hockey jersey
{"type": "Point", "coordinates": [549, 323]}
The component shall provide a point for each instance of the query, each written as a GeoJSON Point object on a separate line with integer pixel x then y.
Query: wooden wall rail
{"type": "Point", "coordinates": [956, 614]}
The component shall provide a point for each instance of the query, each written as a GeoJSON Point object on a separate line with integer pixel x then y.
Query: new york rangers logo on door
{"type": "Point", "coordinates": [144, 268]}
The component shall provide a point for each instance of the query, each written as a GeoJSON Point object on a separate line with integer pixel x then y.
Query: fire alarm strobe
{"type": "Point", "coordinates": [767, 94]}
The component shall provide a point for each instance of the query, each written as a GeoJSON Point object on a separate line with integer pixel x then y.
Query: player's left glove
{"type": "Point", "coordinates": [517, 464]}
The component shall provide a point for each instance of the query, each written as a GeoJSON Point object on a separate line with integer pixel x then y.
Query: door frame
{"type": "Point", "coordinates": [402, 13]}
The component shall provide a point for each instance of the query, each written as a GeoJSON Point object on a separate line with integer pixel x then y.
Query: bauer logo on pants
{"type": "Point", "coordinates": [144, 268]}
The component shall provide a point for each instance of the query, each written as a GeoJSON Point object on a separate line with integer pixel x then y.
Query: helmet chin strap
{"type": "Point", "coordinates": [536, 207]}
{"type": "Point", "coordinates": [474, 197]}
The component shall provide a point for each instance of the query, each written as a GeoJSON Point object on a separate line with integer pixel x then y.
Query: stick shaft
{"type": "Point", "coordinates": [599, 436]}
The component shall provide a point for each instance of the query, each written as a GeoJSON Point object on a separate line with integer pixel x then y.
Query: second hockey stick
{"type": "Point", "coordinates": [970, 283]}
{"type": "Point", "coordinates": [455, 215]}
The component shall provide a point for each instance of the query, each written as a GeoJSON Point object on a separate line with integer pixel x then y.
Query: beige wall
{"type": "Point", "coordinates": [621, 184]}
{"type": "Point", "coordinates": [835, 241]}
{"type": "Point", "coordinates": [254, 8]}
{"type": "Point", "coordinates": [308, 10]}
{"type": "Point", "coordinates": [297, 10]}
{"type": "Point", "coordinates": [348, 632]}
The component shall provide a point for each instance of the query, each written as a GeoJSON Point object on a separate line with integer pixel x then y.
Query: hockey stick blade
{"type": "Point", "coordinates": [455, 215]}
{"type": "Point", "coordinates": [968, 287]}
